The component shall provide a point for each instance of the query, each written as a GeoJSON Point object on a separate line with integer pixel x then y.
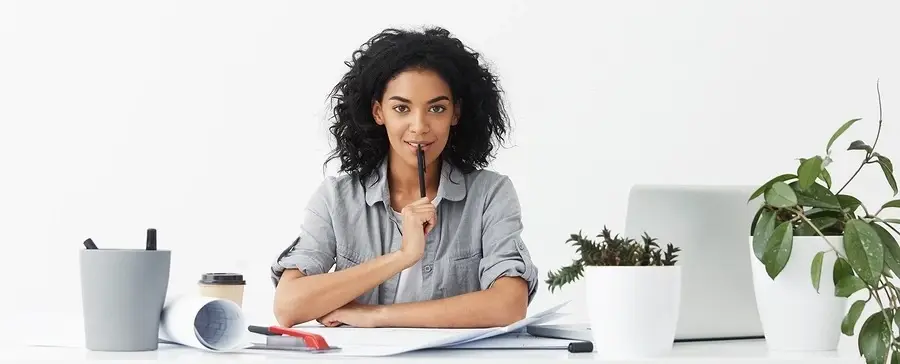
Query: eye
{"type": "Point", "coordinates": [401, 108]}
{"type": "Point", "coordinates": [438, 108]}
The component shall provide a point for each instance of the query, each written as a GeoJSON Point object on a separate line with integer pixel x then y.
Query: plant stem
{"type": "Point", "coordinates": [877, 135]}
{"type": "Point", "coordinates": [896, 290]}
{"type": "Point", "coordinates": [886, 285]}
{"type": "Point", "coordinates": [864, 208]}
{"type": "Point", "coordinates": [880, 115]}
{"type": "Point", "coordinates": [853, 176]}
{"type": "Point", "coordinates": [887, 319]}
{"type": "Point", "coordinates": [802, 216]}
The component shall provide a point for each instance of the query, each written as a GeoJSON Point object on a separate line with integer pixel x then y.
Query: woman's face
{"type": "Point", "coordinates": [416, 108]}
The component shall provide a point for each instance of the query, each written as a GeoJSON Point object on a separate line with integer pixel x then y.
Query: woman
{"type": "Point", "coordinates": [453, 258]}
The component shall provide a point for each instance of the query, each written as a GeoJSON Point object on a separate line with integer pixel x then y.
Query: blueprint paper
{"type": "Point", "coordinates": [355, 341]}
{"type": "Point", "coordinates": [206, 323]}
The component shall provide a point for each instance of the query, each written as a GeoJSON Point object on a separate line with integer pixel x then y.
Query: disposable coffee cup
{"type": "Point", "coordinates": [122, 293]}
{"type": "Point", "coordinates": [229, 286]}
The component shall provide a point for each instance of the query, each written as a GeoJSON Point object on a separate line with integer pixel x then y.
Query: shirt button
{"type": "Point", "coordinates": [428, 268]}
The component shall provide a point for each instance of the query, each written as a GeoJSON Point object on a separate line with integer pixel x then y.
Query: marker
{"type": "Point", "coordinates": [151, 239]}
{"type": "Point", "coordinates": [421, 157]}
{"type": "Point", "coordinates": [89, 244]}
{"type": "Point", "coordinates": [580, 347]}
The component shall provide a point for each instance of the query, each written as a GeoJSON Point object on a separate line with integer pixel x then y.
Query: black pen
{"type": "Point", "coordinates": [421, 157]}
{"type": "Point", "coordinates": [580, 347]}
{"type": "Point", "coordinates": [89, 244]}
{"type": "Point", "coordinates": [151, 239]}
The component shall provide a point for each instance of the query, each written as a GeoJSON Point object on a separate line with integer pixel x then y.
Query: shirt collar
{"type": "Point", "coordinates": [452, 185]}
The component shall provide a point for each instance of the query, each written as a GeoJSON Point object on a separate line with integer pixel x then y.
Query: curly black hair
{"type": "Point", "coordinates": [361, 143]}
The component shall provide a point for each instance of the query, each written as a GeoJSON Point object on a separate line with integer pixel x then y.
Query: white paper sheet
{"type": "Point", "coordinates": [204, 323]}
{"type": "Point", "coordinates": [390, 341]}
{"type": "Point", "coordinates": [515, 340]}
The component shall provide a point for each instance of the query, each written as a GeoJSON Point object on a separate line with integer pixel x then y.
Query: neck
{"type": "Point", "coordinates": [403, 179]}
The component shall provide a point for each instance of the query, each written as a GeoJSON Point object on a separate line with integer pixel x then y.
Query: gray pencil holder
{"type": "Point", "coordinates": [122, 293]}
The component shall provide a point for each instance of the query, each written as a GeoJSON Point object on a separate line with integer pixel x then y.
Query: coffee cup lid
{"type": "Point", "coordinates": [222, 278]}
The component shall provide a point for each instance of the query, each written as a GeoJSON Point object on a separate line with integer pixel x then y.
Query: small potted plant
{"type": "Point", "coordinates": [633, 292]}
{"type": "Point", "coordinates": [814, 247]}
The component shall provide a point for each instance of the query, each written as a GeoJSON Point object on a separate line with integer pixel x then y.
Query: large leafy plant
{"type": "Point", "coordinates": [803, 204]}
{"type": "Point", "coordinates": [611, 250]}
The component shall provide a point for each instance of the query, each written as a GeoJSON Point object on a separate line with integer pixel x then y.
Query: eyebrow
{"type": "Point", "coordinates": [436, 99]}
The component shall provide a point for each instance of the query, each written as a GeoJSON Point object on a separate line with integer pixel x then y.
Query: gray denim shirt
{"type": "Point", "coordinates": [477, 238]}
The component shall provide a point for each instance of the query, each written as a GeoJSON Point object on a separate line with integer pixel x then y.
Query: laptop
{"type": "Point", "coordinates": [712, 226]}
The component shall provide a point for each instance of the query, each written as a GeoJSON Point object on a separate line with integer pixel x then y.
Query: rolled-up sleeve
{"type": "Point", "coordinates": [313, 251]}
{"type": "Point", "coordinates": [505, 254]}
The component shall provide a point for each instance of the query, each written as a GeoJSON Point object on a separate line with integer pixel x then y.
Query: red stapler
{"type": "Point", "coordinates": [280, 338]}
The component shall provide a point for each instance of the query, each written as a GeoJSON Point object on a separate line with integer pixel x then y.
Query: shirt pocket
{"type": "Point", "coordinates": [461, 274]}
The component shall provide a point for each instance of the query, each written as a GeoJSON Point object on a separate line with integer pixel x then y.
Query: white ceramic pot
{"type": "Point", "coordinates": [794, 316]}
{"type": "Point", "coordinates": [633, 311]}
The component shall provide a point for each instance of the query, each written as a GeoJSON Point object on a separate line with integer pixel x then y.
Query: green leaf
{"type": "Point", "coordinates": [894, 203]}
{"type": "Point", "coordinates": [891, 248]}
{"type": "Point", "coordinates": [765, 186]}
{"type": "Point", "coordinates": [889, 175]}
{"type": "Point", "coordinates": [808, 171]}
{"type": "Point", "coordinates": [865, 253]}
{"type": "Point", "coordinates": [838, 133]}
{"type": "Point", "coordinates": [815, 196]}
{"type": "Point", "coordinates": [778, 250]}
{"type": "Point", "coordinates": [875, 338]}
{"type": "Point", "coordinates": [892, 221]}
{"type": "Point", "coordinates": [815, 270]}
{"type": "Point", "coordinates": [822, 223]}
{"type": "Point", "coordinates": [763, 232]}
{"type": "Point", "coordinates": [849, 203]}
{"type": "Point", "coordinates": [841, 270]}
{"type": "Point", "coordinates": [756, 219]}
{"type": "Point", "coordinates": [886, 272]}
{"type": "Point", "coordinates": [885, 160]}
{"type": "Point", "coordinates": [859, 145]}
{"type": "Point", "coordinates": [825, 177]}
{"type": "Point", "coordinates": [848, 286]}
{"type": "Point", "coordinates": [780, 195]}
{"type": "Point", "coordinates": [848, 325]}
{"type": "Point", "coordinates": [817, 212]}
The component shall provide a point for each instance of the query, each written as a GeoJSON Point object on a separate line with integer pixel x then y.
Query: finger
{"type": "Point", "coordinates": [432, 220]}
{"type": "Point", "coordinates": [421, 208]}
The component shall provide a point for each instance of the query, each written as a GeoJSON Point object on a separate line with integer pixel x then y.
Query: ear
{"type": "Point", "coordinates": [456, 112]}
{"type": "Point", "coordinates": [376, 113]}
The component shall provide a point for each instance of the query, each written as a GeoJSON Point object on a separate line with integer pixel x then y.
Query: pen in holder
{"type": "Point", "coordinates": [123, 292]}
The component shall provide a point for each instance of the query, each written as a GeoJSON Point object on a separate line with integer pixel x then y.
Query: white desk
{"type": "Point", "coordinates": [744, 352]}
{"type": "Point", "coordinates": [24, 331]}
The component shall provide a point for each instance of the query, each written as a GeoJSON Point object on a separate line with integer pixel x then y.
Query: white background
{"type": "Point", "coordinates": [207, 119]}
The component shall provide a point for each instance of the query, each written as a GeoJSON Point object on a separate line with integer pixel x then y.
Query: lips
{"type": "Point", "coordinates": [413, 144]}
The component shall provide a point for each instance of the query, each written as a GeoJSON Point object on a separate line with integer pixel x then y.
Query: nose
{"type": "Point", "coordinates": [419, 123]}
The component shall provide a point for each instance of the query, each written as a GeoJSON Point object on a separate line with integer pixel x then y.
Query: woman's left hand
{"type": "Point", "coordinates": [352, 314]}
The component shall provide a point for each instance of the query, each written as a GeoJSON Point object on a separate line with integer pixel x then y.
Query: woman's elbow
{"type": "Point", "coordinates": [513, 315]}
{"type": "Point", "coordinates": [285, 312]}
{"type": "Point", "coordinates": [285, 305]}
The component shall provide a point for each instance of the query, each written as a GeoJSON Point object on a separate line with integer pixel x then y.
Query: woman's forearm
{"type": "Point", "coordinates": [504, 303]}
{"type": "Point", "coordinates": [299, 298]}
